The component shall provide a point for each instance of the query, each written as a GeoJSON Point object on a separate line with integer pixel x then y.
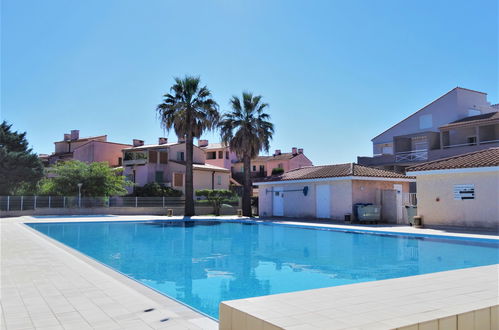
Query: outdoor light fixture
{"type": "Point", "coordinates": [79, 194]}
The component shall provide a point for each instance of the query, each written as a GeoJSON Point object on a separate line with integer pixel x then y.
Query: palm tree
{"type": "Point", "coordinates": [188, 110]}
{"type": "Point", "coordinates": [247, 131]}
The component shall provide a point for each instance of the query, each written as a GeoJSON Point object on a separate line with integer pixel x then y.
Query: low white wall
{"type": "Point", "coordinates": [483, 211]}
{"type": "Point", "coordinates": [200, 210]}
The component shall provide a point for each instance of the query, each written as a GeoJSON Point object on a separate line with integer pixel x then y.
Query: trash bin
{"type": "Point", "coordinates": [355, 209]}
{"type": "Point", "coordinates": [412, 211]}
{"type": "Point", "coordinates": [369, 213]}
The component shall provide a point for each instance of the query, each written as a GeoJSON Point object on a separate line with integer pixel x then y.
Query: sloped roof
{"type": "Point", "coordinates": [209, 167]}
{"type": "Point", "coordinates": [335, 171]}
{"type": "Point", "coordinates": [282, 156]}
{"type": "Point", "coordinates": [486, 117]}
{"type": "Point", "coordinates": [483, 158]}
{"type": "Point", "coordinates": [214, 146]}
{"type": "Point", "coordinates": [84, 139]}
{"type": "Point", "coordinates": [153, 146]}
{"type": "Point", "coordinates": [441, 97]}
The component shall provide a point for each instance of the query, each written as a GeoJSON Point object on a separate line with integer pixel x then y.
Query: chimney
{"type": "Point", "coordinates": [294, 151]}
{"type": "Point", "coordinates": [300, 151]}
{"type": "Point", "coordinates": [75, 134]}
{"type": "Point", "coordinates": [277, 152]}
{"type": "Point", "coordinates": [67, 137]}
{"type": "Point", "coordinates": [202, 143]}
{"type": "Point", "coordinates": [162, 140]}
{"type": "Point", "coordinates": [138, 143]}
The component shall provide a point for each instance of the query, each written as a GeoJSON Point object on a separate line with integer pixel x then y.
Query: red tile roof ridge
{"type": "Point", "coordinates": [415, 167]}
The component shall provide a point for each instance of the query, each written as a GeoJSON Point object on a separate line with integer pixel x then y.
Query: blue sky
{"type": "Point", "coordinates": [335, 73]}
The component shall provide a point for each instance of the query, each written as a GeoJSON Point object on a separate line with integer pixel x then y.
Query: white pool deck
{"type": "Point", "coordinates": [46, 285]}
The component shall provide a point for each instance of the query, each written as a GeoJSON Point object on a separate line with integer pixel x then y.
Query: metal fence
{"type": "Point", "coordinates": [19, 203]}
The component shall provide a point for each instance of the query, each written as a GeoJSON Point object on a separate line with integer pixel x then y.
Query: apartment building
{"type": "Point", "coordinates": [164, 163]}
{"type": "Point", "coordinates": [86, 149]}
{"type": "Point", "coordinates": [458, 122]}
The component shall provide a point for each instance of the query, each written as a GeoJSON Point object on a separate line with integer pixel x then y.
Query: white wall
{"type": "Point", "coordinates": [483, 211]}
{"type": "Point", "coordinates": [299, 206]}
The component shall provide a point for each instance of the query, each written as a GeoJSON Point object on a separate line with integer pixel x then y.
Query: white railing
{"type": "Point", "coordinates": [411, 156]}
{"type": "Point", "coordinates": [20, 203]}
{"type": "Point", "coordinates": [469, 144]}
{"type": "Point", "coordinates": [410, 199]}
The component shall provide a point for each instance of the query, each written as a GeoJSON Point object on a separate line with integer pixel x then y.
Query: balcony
{"type": "Point", "coordinates": [411, 156]}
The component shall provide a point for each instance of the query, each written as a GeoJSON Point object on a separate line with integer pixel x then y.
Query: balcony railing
{"type": "Point", "coordinates": [411, 156]}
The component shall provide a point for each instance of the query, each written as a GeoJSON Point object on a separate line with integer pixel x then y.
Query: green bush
{"type": "Point", "coordinates": [216, 197]}
{"type": "Point", "coordinates": [97, 179]}
{"type": "Point", "coordinates": [155, 189]}
{"type": "Point", "coordinates": [277, 171]}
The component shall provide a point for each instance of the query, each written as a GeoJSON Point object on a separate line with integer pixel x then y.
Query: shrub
{"type": "Point", "coordinates": [277, 171]}
{"type": "Point", "coordinates": [216, 197]}
{"type": "Point", "coordinates": [155, 189]}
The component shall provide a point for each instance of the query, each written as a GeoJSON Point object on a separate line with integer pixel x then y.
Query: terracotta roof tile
{"type": "Point", "coordinates": [282, 156]}
{"type": "Point", "coordinates": [334, 171]}
{"type": "Point", "coordinates": [482, 158]}
{"type": "Point", "coordinates": [486, 117]}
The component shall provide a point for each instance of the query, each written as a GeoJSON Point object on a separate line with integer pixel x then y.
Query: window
{"type": "Point", "coordinates": [180, 155]}
{"type": "Point", "coordinates": [388, 150]}
{"type": "Point", "coordinates": [159, 177]}
{"type": "Point", "coordinates": [163, 157]}
{"type": "Point", "coordinates": [280, 165]}
{"type": "Point", "coordinates": [254, 168]}
{"type": "Point", "coordinates": [153, 156]}
{"type": "Point", "coordinates": [219, 180]}
{"type": "Point", "coordinates": [220, 155]}
{"type": "Point", "coordinates": [226, 155]}
{"type": "Point", "coordinates": [425, 121]}
{"type": "Point", "coordinates": [262, 168]}
{"type": "Point", "coordinates": [128, 155]}
{"type": "Point", "coordinates": [419, 143]}
{"type": "Point", "coordinates": [471, 140]}
{"type": "Point", "coordinates": [120, 161]}
{"type": "Point", "coordinates": [211, 155]}
{"type": "Point", "coordinates": [178, 179]}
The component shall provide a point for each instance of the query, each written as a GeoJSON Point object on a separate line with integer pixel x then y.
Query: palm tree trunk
{"type": "Point", "coordinates": [247, 187]}
{"type": "Point", "coordinates": [189, 186]}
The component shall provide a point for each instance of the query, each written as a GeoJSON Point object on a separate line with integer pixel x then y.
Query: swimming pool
{"type": "Point", "coordinates": [201, 263]}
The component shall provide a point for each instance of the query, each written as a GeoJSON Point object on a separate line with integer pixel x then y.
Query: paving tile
{"type": "Point", "coordinates": [57, 288]}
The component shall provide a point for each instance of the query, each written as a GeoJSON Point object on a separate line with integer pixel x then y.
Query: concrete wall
{"type": "Point", "coordinates": [483, 211]}
{"type": "Point", "coordinates": [299, 206]}
{"type": "Point", "coordinates": [221, 162]}
{"type": "Point", "coordinates": [203, 180]}
{"type": "Point", "coordinates": [69, 146]}
{"type": "Point", "coordinates": [200, 210]}
{"type": "Point", "coordinates": [97, 151]}
{"type": "Point", "coordinates": [364, 191]}
{"type": "Point", "coordinates": [344, 193]}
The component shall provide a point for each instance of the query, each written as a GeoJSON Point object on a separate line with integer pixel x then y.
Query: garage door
{"type": "Point", "coordinates": [323, 201]}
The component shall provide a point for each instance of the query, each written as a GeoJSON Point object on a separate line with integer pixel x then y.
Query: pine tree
{"type": "Point", "coordinates": [19, 165]}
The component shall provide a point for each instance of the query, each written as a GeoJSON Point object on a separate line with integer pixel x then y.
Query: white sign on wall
{"type": "Point", "coordinates": [464, 191]}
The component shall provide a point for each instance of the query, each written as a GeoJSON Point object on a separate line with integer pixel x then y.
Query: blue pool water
{"type": "Point", "coordinates": [202, 263]}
